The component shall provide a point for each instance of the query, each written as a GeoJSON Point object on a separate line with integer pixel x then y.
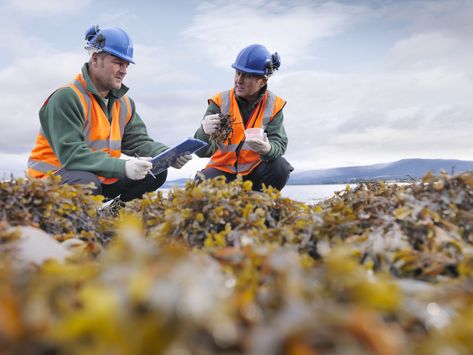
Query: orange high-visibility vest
{"type": "Point", "coordinates": [99, 132]}
{"type": "Point", "coordinates": [235, 155]}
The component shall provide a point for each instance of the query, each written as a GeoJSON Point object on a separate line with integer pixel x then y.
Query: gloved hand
{"type": "Point", "coordinates": [259, 145]}
{"type": "Point", "coordinates": [210, 123]}
{"type": "Point", "coordinates": [181, 161]}
{"type": "Point", "coordinates": [137, 168]}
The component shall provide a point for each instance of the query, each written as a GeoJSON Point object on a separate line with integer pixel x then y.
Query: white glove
{"type": "Point", "coordinates": [181, 161]}
{"type": "Point", "coordinates": [210, 123]}
{"type": "Point", "coordinates": [137, 168]}
{"type": "Point", "coordinates": [260, 145]}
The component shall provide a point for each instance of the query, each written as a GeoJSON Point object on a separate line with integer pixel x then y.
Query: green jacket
{"type": "Point", "coordinates": [62, 121]}
{"type": "Point", "coordinates": [275, 130]}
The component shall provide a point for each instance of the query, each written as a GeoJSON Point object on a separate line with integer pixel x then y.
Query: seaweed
{"type": "Point", "coordinates": [225, 129]}
{"type": "Point", "coordinates": [216, 268]}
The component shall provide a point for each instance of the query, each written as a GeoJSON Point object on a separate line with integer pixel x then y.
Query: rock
{"type": "Point", "coordinates": [36, 246]}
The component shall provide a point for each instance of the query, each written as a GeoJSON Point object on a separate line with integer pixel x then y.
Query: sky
{"type": "Point", "coordinates": [366, 81]}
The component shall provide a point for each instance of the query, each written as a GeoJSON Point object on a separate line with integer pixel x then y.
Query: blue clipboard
{"type": "Point", "coordinates": [164, 160]}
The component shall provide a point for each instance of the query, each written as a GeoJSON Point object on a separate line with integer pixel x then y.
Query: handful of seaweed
{"type": "Point", "coordinates": [225, 130]}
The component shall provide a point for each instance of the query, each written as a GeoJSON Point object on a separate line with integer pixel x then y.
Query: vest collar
{"type": "Point", "coordinates": [258, 98]}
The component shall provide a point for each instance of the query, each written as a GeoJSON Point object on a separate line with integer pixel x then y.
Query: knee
{"type": "Point", "coordinates": [77, 177]}
{"type": "Point", "coordinates": [161, 178]}
{"type": "Point", "coordinates": [210, 173]}
{"type": "Point", "coordinates": [87, 178]}
{"type": "Point", "coordinates": [281, 168]}
{"type": "Point", "coordinates": [201, 176]}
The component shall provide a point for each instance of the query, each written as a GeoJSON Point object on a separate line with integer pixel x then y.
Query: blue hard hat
{"type": "Point", "coordinates": [112, 40]}
{"type": "Point", "coordinates": [256, 59]}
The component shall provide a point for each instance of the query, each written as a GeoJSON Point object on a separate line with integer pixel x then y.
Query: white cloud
{"type": "Point", "coordinates": [221, 29]}
{"type": "Point", "coordinates": [115, 16]}
{"type": "Point", "coordinates": [157, 66]}
{"type": "Point", "coordinates": [24, 86]}
{"type": "Point", "coordinates": [337, 118]}
{"type": "Point", "coordinates": [415, 102]}
{"type": "Point", "coordinates": [428, 49]}
{"type": "Point", "coordinates": [49, 7]}
{"type": "Point", "coordinates": [16, 41]}
{"type": "Point", "coordinates": [452, 16]}
{"type": "Point", "coordinates": [12, 164]}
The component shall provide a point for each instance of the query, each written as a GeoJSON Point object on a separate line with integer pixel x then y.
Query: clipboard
{"type": "Point", "coordinates": [164, 160]}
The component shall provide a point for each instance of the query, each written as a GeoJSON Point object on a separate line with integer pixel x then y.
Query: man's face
{"type": "Point", "coordinates": [109, 71]}
{"type": "Point", "coordinates": [247, 86]}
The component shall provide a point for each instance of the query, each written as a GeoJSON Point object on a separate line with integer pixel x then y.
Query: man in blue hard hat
{"type": "Point", "coordinates": [88, 124]}
{"type": "Point", "coordinates": [253, 109]}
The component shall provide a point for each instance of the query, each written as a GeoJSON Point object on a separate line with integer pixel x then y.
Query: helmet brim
{"type": "Point", "coordinates": [120, 55]}
{"type": "Point", "coordinates": [247, 71]}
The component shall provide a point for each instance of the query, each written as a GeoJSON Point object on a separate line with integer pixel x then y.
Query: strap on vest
{"type": "Point", "coordinates": [123, 118]}
{"type": "Point", "coordinates": [124, 113]}
{"type": "Point", "coordinates": [269, 108]}
{"type": "Point", "coordinates": [79, 86]}
{"type": "Point", "coordinates": [225, 109]}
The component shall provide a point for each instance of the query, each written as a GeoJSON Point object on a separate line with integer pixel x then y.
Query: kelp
{"type": "Point", "coordinates": [216, 268]}
{"type": "Point", "coordinates": [214, 212]}
{"type": "Point", "coordinates": [63, 211]}
{"type": "Point", "coordinates": [224, 131]}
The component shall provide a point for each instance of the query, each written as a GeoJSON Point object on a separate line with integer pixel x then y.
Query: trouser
{"type": "Point", "coordinates": [271, 173]}
{"type": "Point", "coordinates": [127, 189]}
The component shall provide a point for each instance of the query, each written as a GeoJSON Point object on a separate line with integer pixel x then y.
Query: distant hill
{"type": "Point", "coordinates": [400, 170]}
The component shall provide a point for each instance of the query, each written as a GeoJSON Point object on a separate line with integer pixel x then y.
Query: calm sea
{"type": "Point", "coordinates": [311, 193]}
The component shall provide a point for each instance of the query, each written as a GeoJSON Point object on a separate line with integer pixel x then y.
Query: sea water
{"type": "Point", "coordinates": [311, 193]}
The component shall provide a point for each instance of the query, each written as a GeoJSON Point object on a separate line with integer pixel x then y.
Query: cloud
{"type": "Point", "coordinates": [157, 66]}
{"type": "Point", "coordinates": [430, 49]}
{"type": "Point", "coordinates": [115, 16]}
{"type": "Point", "coordinates": [452, 16]}
{"type": "Point", "coordinates": [49, 7]}
{"type": "Point", "coordinates": [337, 119]}
{"type": "Point", "coordinates": [24, 86]}
{"type": "Point", "coordinates": [415, 101]}
{"type": "Point", "coordinates": [220, 29]}
{"type": "Point", "coordinates": [16, 42]}
{"type": "Point", "coordinates": [12, 164]}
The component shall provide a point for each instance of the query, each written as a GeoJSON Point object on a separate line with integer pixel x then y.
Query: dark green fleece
{"type": "Point", "coordinates": [62, 121]}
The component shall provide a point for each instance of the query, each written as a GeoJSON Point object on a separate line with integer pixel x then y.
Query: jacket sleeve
{"type": "Point", "coordinates": [136, 139]}
{"type": "Point", "coordinates": [200, 134]}
{"type": "Point", "coordinates": [62, 122]}
{"type": "Point", "coordinates": [277, 137]}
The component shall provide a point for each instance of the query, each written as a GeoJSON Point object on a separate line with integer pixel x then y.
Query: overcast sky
{"type": "Point", "coordinates": [365, 81]}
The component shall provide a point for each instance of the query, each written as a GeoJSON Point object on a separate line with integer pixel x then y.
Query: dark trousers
{"type": "Point", "coordinates": [273, 173]}
{"type": "Point", "coordinates": [127, 189]}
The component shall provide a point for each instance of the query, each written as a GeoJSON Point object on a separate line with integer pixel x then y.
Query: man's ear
{"type": "Point", "coordinates": [264, 81]}
{"type": "Point", "coordinates": [94, 58]}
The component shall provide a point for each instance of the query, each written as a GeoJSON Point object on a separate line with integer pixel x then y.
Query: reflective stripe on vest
{"type": "Point", "coordinates": [226, 157]}
{"type": "Point", "coordinates": [99, 133]}
{"type": "Point", "coordinates": [41, 166]}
